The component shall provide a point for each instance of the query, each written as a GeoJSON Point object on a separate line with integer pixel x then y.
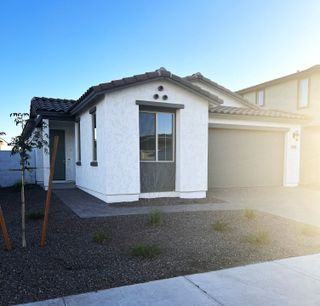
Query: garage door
{"type": "Point", "coordinates": [244, 158]}
{"type": "Point", "coordinates": [310, 156]}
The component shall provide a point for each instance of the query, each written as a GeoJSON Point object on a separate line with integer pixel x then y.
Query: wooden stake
{"type": "Point", "coordinates": [48, 198]}
{"type": "Point", "coordinates": [5, 235]}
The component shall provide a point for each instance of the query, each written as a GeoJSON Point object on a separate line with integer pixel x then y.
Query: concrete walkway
{"type": "Point", "coordinates": [299, 204]}
{"type": "Point", "coordinates": [294, 281]}
{"type": "Point", "coordinates": [87, 206]}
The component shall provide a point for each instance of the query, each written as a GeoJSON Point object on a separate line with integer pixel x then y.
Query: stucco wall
{"type": "Point", "coordinates": [8, 163]}
{"type": "Point", "coordinates": [117, 177]}
{"type": "Point", "coordinates": [284, 96]}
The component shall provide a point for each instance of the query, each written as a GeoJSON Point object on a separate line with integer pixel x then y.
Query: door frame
{"type": "Point", "coordinates": [64, 163]}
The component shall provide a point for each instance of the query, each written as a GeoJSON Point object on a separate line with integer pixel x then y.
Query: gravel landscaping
{"type": "Point", "coordinates": [91, 254]}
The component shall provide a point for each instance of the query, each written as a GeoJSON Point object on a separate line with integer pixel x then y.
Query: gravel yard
{"type": "Point", "coordinates": [72, 262]}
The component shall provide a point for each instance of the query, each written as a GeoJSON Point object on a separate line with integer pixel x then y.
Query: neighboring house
{"type": "Point", "coordinates": [158, 134]}
{"type": "Point", "coordinates": [300, 93]}
{"type": "Point", "coordinates": [4, 145]}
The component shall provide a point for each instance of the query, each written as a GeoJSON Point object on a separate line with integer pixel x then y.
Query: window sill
{"type": "Point", "coordinates": [78, 163]}
{"type": "Point", "coordinates": [94, 164]}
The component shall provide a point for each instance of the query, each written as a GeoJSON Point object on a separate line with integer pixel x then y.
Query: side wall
{"type": "Point", "coordinates": [8, 164]}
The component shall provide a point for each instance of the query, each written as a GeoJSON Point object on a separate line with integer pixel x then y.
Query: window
{"type": "Point", "coordinates": [303, 93]}
{"type": "Point", "coordinates": [260, 98]}
{"type": "Point", "coordinates": [94, 136]}
{"type": "Point", "coordinates": [79, 142]}
{"type": "Point", "coordinates": [156, 136]}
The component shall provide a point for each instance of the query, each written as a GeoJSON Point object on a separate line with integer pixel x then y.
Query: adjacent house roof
{"type": "Point", "coordinates": [199, 77]}
{"type": "Point", "coordinates": [298, 74]}
{"type": "Point", "coordinates": [239, 111]}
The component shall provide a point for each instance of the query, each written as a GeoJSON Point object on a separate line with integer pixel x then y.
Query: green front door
{"type": "Point", "coordinates": [60, 165]}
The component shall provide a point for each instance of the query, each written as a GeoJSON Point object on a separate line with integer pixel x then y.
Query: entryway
{"type": "Point", "coordinates": [60, 164]}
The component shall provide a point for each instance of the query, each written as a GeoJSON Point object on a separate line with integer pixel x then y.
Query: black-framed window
{"type": "Point", "coordinates": [79, 141]}
{"type": "Point", "coordinates": [156, 136]}
{"type": "Point", "coordinates": [94, 135]}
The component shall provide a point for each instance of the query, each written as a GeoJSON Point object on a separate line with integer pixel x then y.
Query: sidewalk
{"type": "Point", "coordinates": [293, 281]}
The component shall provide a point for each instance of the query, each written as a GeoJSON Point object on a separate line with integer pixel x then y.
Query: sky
{"type": "Point", "coordinates": [59, 48]}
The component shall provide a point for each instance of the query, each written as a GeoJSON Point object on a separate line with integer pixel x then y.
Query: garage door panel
{"type": "Point", "coordinates": [243, 158]}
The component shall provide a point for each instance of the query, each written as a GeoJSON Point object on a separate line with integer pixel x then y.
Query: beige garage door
{"type": "Point", "coordinates": [310, 156]}
{"type": "Point", "coordinates": [244, 158]}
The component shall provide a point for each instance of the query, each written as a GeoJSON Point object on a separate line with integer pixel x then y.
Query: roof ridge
{"type": "Point", "coordinates": [224, 109]}
{"type": "Point", "coordinates": [279, 79]}
{"type": "Point", "coordinates": [201, 77]}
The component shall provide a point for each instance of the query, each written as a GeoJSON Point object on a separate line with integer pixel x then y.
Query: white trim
{"type": "Point", "coordinates": [193, 194]}
{"type": "Point", "coordinates": [237, 123]}
{"type": "Point", "coordinates": [165, 194]}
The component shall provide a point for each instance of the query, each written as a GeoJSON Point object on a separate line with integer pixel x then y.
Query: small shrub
{"type": "Point", "coordinates": [220, 226]}
{"type": "Point", "coordinates": [100, 237]}
{"type": "Point", "coordinates": [146, 251]}
{"type": "Point", "coordinates": [35, 216]}
{"type": "Point", "coordinates": [155, 217]}
{"type": "Point", "coordinates": [309, 231]}
{"type": "Point", "coordinates": [249, 214]}
{"type": "Point", "coordinates": [260, 238]}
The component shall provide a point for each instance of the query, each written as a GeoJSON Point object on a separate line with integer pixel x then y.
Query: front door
{"type": "Point", "coordinates": [157, 158]}
{"type": "Point", "coordinates": [60, 164]}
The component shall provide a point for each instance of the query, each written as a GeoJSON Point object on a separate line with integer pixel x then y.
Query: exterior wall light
{"type": "Point", "coordinates": [164, 97]}
{"type": "Point", "coordinates": [296, 136]}
{"type": "Point", "coordinates": [156, 96]}
{"type": "Point", "coordinates": [160, 88]}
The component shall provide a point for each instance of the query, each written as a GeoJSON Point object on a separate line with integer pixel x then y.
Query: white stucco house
{"type": "Point", "coordinates": [158, 134]}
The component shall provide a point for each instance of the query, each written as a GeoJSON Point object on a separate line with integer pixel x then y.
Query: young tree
{"type": "Point", "coordinates": [23, 145]}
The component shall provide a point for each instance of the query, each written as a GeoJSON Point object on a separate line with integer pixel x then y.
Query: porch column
{"type": "Point", "coordinates": [46, 156]}
{"type": "Point", "coordinates": [291, 175]}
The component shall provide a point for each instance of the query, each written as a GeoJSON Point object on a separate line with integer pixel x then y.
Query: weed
{"type": "Point", "coordinates": [259, 238]}
{"type": "Point", "coordinates": [220, 226]}
{"type": "Point", "coordinates": [100, 237]}
{"type": "Point", "coordinates": [155, 217]}
{"type": "Point", "coordinates": [309, 231]}
{"type": "Point", "coordinates": [249, 214]}
{"type": "Point", "coordinates": [146, 251]}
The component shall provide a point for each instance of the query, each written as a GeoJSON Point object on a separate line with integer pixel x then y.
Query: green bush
{"type": "Point", "coordinates": [146, 251]}
{"type": "Point", "coordinates": [220, 226]}
{"type": "Point", "coordinates": [155, 217]}
{"type": "Point", "coordinates": [249, 214]}
{"type": "Point", "coordinates": [35, 215]}
{"type": "Point", "coordinates": [100, 237]}
{"type": "Point", "coordinates": [259, 238]}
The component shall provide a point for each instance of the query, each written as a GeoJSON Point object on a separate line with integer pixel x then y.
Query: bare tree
{"type": "Point", "coordinates": [23, 145]}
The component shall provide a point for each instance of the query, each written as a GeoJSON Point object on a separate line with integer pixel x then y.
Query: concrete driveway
{"type": "Point", "coordinates": [296, 203]}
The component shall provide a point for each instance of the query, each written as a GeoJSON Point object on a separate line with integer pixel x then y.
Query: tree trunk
{"type": "Point", "coordinates": [23, 210]}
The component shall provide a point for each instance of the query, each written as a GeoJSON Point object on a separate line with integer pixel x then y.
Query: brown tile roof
{"type": "Point", "coordinates": [39, 104]}
{"type": "Point", "coordinates": [199, 77]}
{"type": "Point", "coordinates": [239, 111]}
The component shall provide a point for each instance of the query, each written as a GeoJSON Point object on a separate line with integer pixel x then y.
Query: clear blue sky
{"type": "Point", "coordinates": [60, 48]}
